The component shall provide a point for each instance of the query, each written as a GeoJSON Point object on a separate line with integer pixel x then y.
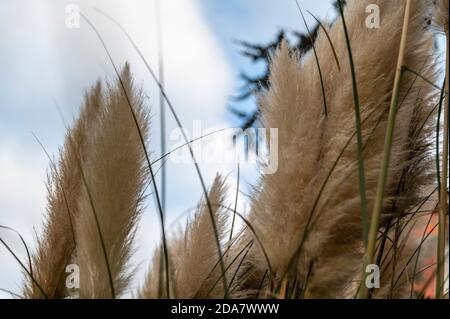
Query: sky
{"type": "Point", "coordinates": [46, 66]}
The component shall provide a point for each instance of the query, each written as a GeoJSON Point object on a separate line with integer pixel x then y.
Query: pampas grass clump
{"type": "Point", "coordinates": [303, 233]}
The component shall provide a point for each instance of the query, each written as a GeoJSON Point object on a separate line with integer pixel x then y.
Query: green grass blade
{"type": "Point", "coordinates": [24, 245]}
{"type": "Point", "coordinates": [361, 170]}
{"type": "Point", "coordinates": [329, 39]}
{"type": "Point", "coordinates": [442, 181]}
{"type": "Point", "coordinates": [317, 59]}
{"type": "Point", "coordinates": [24, 268]}
{"type": "Point", "coordinates": [235, 202]}
{"type": "Point", "coordinates": [370, 252]}
{"type": "Point", "coordinates": [13, 294]}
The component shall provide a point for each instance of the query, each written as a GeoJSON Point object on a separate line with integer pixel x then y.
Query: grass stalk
{"type": "Point", "coordinates": [246, 247]}
{"type": "Point", "coordinates": [261, 283]}
{"type": "Point", "coordinates": [375, 220]}
{"type": "Point", "coordinates": [413, 280]}
{"type": "Point", "coordinates": [317, 59]}
{"type": "Point", "coordinates": [162, 107]}
{"type": "Point", "coordinates": [443, 205]}
{"type": "Point", "coordinates": [359, 140]}
{"type": "Point", "coordinates": [162, 114]}
{"type": "Point", "coordinates": [30, 265]}
{"type": "Point", "coordinates": [235, 203]}
{"type": "Point", "coordinates": [13, 294]}
{"type": "Point", "coordinates": [24, 268]}
{"type": "Point", "coordinates": [236, 271]}
{"type": "Point", "coordinates": [264, 251]}
{"type": "Point", "coordinates": [328, 38]}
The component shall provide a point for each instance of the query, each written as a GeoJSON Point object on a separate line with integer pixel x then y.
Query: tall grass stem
{"type": "Point", "coordinates": [359, 139]}
{"type": "Point", "coordinates": [443, 205]}
{"type": "Point", "coordinates": [378, 206]}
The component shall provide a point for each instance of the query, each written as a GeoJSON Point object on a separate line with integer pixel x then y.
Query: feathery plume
{"type": "Point", "coordinates": [151, 287]}
{"type": "Point", "coordinates": [310, 144]}
{"type": "Point", "coordinates": [110, 202]}
{"type": "Point", "coordinates": [57, 242]}
{"type": "Point", "coordinates": [194, 253]}
{"type": "Point", "coordinates": [199, 251]}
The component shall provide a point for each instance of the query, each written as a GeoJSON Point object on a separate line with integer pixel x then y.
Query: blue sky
{"type": "Point", "coordinates": [44, 62]}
